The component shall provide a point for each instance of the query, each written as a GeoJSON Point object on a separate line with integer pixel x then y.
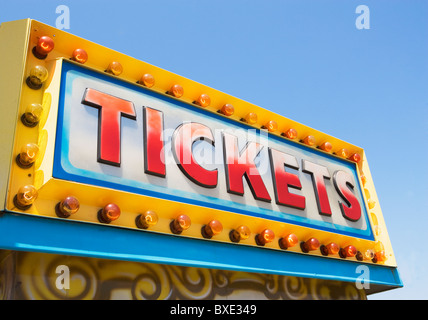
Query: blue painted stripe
{"type": "Point", "coordinates": [50, 235]}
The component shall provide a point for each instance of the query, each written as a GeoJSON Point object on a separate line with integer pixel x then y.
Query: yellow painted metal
{"type": "Point", "coordinates": [14, 36]}
{"type": "Point", "coordinates": [93, 198]}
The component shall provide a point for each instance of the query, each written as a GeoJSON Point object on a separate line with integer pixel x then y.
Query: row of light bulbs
{"type": "Point", "coordinates": [70, 205]}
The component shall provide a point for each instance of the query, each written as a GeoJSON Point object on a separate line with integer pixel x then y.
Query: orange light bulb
{"type": "Point", "coordinates": [251, 118]}
{"type": "Point", "coordinates": [44, 45]}
{"type": "Point", "coordinates": [310, 245]}
{"type": "Point", "coordinates": [271, 126]}
{"type": "Point", "coordinates": [309, 140]}
{"type": "Point", "coordinates": [176, 91]}
{"type": "Point", "coordinates": [331, 248]}
{"type": "Point", "coordinates": [380, 256]}
{"type": "Point", "coordinates": [147, 80]}
{"type": "Point", "coordinates": [109, 213]}
{"type": "Point", "coordinates": [240, 233]}
{"type": "Point", "coordinates": [355, 157]}
{"type": "Point", "coordinates": [25, 197]}
{"type": "Point", "coordinates": [28, 155]}
{"type": "Point", "coordinates": [213, 228]}
{"type": "Point", "coordinates": [115, 68]}
{"type": "Point", "coordinates": [348, 252]}
{"type": "Point", "coordinates": [79, 55]}
{"type": "Point", "coordinates": [264, 237]}
{"type": "Point", "coordinates": [67, 207]}
{"type": "Point", "coordinates": [204, 100]}
{"type": "Point", "coordinates": [146, 219]}
{"type": "Point", "coordinates": [344, 153]}
{"type": "Point", "coordinates": [227, 109]}
{"type": "Point", "coordinates": [288, 241]}
{"type": "Point", "coordinates": [326, 146]}
{"type": "Point", "coordinates": [290, 133]}
{"type": "Point", "coordinates": [179, 224]}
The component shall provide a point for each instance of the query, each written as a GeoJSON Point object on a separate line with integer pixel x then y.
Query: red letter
{"type": "Point", "coordinates": [154, 155]}
{"type": "Point", "coordinates": [344, 186]}
{"type": "Point", "coordinates": [318, 174]}
{"type": "Point", "coordinates": [239, 164]}
{"type": "Point", "coordinates": [282, 180]}
{"type": "Point", "coordinates": [111, 109]}
{"type": "Point", "coordinates": [182, 141]}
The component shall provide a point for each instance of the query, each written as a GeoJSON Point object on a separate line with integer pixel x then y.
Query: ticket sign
{"type": "Point", "coordinates": [103, 151]}
{"type": "Point", "coordinates": [122, 136]}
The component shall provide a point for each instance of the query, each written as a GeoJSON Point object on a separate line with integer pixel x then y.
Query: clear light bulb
{"type": "Point", "coordinates": [28, 155]}
{"type": "Point", "coordinates": [25, 197]}
{"type": "Point", "coordinates": [147, 219]}
{"type": "Point", "coordinates": [38, 75]}
{"type": "Point", "coordinates": [32, 114]}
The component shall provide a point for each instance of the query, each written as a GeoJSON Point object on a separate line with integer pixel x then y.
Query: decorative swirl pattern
{"type": "Point", "coordinates": [294, 288]}
{"type": "Point", "coordinates": [35, 276]}
{"type": "Point", "coordinates": [39, 280]}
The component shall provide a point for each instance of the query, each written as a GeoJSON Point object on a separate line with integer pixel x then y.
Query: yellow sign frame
{"type": "Point", "coordinates": [22, 36]}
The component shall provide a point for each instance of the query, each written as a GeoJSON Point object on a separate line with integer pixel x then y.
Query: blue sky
{"type": "Point", "coordinates": [307, 61]}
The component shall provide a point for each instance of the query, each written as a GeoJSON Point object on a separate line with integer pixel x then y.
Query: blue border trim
{"type": "Point", "coordinates": [61, 149]}
{"type": "Point", "coordinates": [28, 233]}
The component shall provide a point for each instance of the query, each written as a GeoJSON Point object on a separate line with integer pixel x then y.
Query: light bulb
{"type": "Point", "coordinates": [115, 68]}
{"type": "Point", "coordinates": [368, 254]}
{"type": "Point", "coordinates": [28, 155]}
{"type": "Point", "coordinates": [79, 55]}
{"type": "Point", "coordinates": [271, 126]}
{"type": "Point", "coordinates": [240, 233]}
{"type": "Point", "coordinates": [348, 252]}
{"type": "Point", "coordinates": [147, 219]}
{"type": "Point", "coordinates": [227, 109]}
{"type": "Point", "coordinates": [44, 45]}
{"type": "Point", "coordinates": [380, 256]}
{"type": "Point", "coordinates": [310, 245]}
{"type": "Point", "coordinates": [204, 100]}
{"type": "Point", "coordinates": [288, 241]}
{"type": "Point", "coordinates": [290, 133]}
{"type": "Point", "coordinates": [331, 248]}
{"type": "Point", "coordinates": [25, 197]}
{"type": "Point", "coordinates": [179, 224]}
{"type": "Point", "coordinates": [264, 237]}
{"type": "Point", "coordinates": [344, 153]}
{"type": "Point", "coordinates": [67, 207]}
{"type": "Point", "coordinates": [326, 146]}
{"type": "Point", "coordinates": [355, 157]}
{"type": "Point", "coordinates": [32, 114]}
{"type": "Point", "coordinates": [309, 140]}
{"type": "Point", "coordinates": [251, 118]}
{"type": "Point", "coordinates": [38, 75]}
{"type": "Point", "coordinates": [176, 91]}
{"type": "Point", "coordinates": [214, 227]}
{"type": "Point", "coordinates": [147, 80]}
{"type": "Point", "coordinates": [109, 213]}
